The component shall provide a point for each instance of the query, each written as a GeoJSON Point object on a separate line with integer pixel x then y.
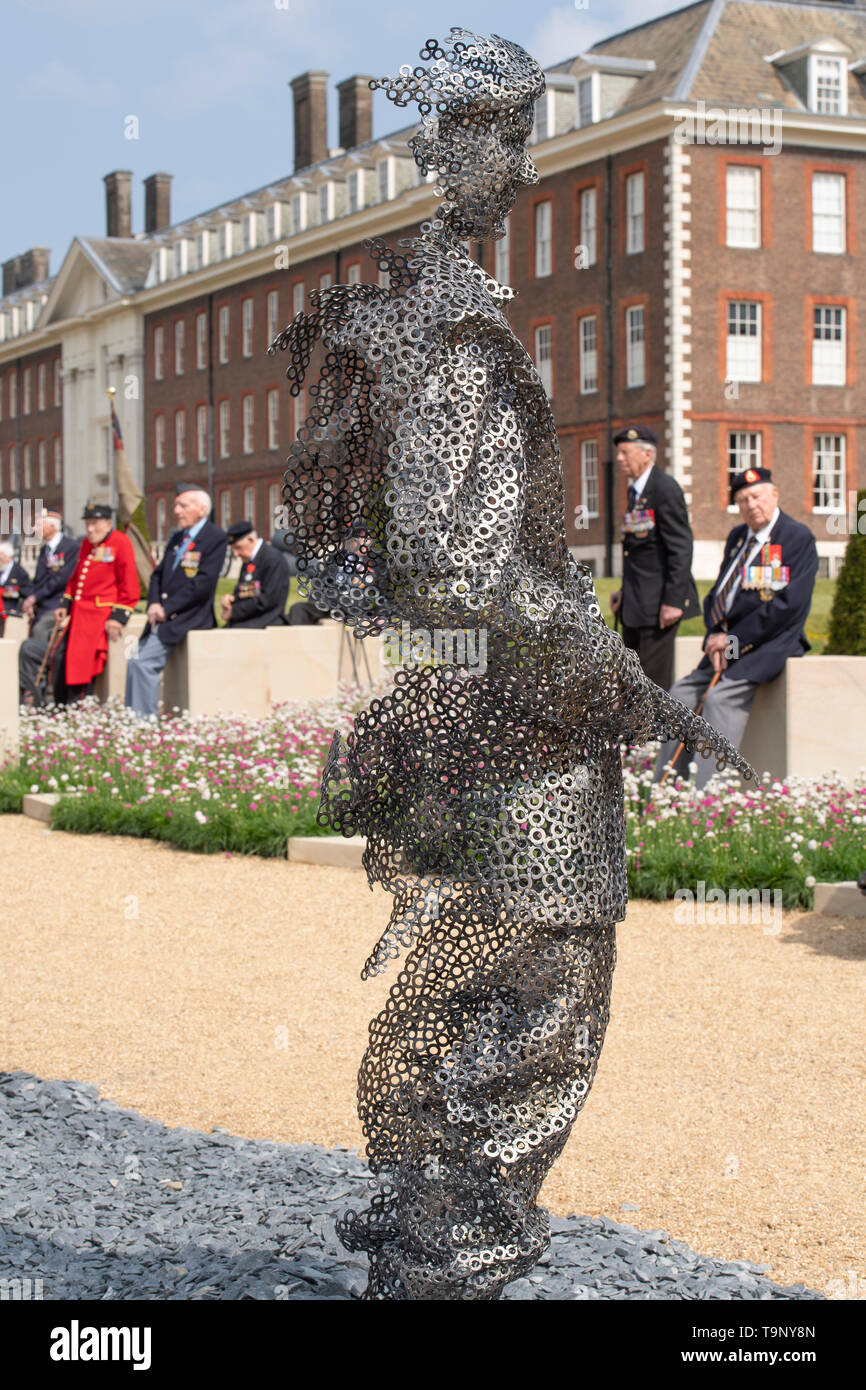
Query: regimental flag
{"type": "Point", "coordinates": [130, 505]}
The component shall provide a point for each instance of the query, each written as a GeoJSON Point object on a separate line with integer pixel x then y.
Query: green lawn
{"type": "Point", "coordinates": [816, 626]}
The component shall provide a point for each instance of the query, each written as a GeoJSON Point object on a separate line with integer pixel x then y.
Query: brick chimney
{"type": "Point", "coordinates": [356, 112]}
{"type": "Point", "coordinates": [157, 202]}
{"type": "Point", "coordinates": [118, 203]}
{"type": "Point", "coordinates": [310, 93]}
{"type": "Point", "coordinates": [27, 269]}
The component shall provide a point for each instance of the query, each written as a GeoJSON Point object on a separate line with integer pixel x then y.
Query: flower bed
{"type": "Point", "coordinates": [776, 835]}
{"type": "Point", "coordinates": [244, 785]}
{"type": "Point", "coordinates": [202, 783]}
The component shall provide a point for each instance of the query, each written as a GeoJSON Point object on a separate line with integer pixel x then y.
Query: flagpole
{"type": "Point", "coordinates": [112, 467]}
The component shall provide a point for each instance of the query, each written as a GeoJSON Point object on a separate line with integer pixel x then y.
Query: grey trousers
{"type": "Point", "coordinates": [726, 708]}
{"type": "Point", "coordinates": [143, 671]}
{"type": "Point", "coordinates": [32, 650]}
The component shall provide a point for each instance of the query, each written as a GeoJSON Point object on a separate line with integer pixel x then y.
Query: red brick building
{"type": "Point", "coordinates": [690, 258]}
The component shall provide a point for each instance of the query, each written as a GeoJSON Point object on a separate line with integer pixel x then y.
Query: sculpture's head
{"type": "Point", "coordinates": [477, 99]}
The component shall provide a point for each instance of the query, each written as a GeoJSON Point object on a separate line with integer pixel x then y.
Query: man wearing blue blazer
{"type": "Point", "coordinates": [754, 613]}
{"type": "Point", "coordinates": [180, 597]}
{"type": "Point", "coordinates": [55, 566]}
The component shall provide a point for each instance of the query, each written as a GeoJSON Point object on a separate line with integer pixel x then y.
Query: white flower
{"type": "Point", "coordinates": [813, 844]}
{"type": "Point", "coordinates": [810, 880]}
{"type": "Point", "coordinates": [201, 817]}
{"type": "Point", "coordinates": [797, 857]}
{"type": "Point", "coordinates": [34, 788]}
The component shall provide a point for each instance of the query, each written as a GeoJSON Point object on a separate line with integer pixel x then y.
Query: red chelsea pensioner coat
{"type": "Point", "coordinates": [105, 578]}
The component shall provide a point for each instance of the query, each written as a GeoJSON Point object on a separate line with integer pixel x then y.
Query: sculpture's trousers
{"type": "Point", "coordinates": [475, 1071]}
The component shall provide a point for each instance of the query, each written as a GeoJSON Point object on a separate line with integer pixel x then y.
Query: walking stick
{"type": "Point", "coordinates": [663, 779]}
{"type": "Point", "coordinates": [53, 644]}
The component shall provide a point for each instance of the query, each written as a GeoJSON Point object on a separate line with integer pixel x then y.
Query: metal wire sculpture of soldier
{"type": "Point", "coordinates": [426, 488]}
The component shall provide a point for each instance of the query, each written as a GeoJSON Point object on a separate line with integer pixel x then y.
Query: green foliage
{"type": "Point", "coordinates": [847, 635]}
{"type": "Point", "coordinates": [263, 832]}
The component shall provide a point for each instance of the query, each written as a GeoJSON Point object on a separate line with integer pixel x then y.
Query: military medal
{"type": "Point", "coordinates": [770, 575]}
{"type": "Point", "coordinates": [639, 521]}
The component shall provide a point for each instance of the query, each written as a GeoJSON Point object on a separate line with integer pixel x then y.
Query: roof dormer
{"type": "Point", "coordinates": [817, 72]}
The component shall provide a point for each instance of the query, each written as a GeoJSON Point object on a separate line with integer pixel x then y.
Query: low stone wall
{"type": "Point", "coordinates": [248, 669]}
{"type": "Point", "coordinates": [808, 721]}
{"type": "Point", "coordinates": [8, 697]}
{"type": "Point", "coordinates": [112, 680]}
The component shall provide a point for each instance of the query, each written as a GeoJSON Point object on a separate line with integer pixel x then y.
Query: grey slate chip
{"type": "Point", "coordinates": [255, 1219]}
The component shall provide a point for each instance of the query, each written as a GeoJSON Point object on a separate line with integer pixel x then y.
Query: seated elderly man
{"type": "Point", "coordinates": [754, 614]}
{"type": "Point", "coordinates": [259, 599]}
{"type": "Point", "coordinates": [55, 566]}
{"type": "Point", "coordinates": [180, 597]}
{"type": "Point", "coordinates": [15, 582]}
{"type": "Point", "coordinates": [96, 604]}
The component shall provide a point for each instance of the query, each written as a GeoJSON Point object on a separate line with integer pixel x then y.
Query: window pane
{"type": "Point", "coordinates": [588, 354]}
{"type": "Point", "coordinates": [589, 476]}
{"type": "Point", "coordinates": [744, 451]}
{"type": "Point", "coordinates": [828, 346]}
{"type": "Point", "coordinates": [635, 363]}
{"type": "Point", "coordinates": [502, 266]}
{"type": "Point", "coordinates": [588, 223]}
{"type": "Point", "coordinates": [828, 461]}
{"type": "Point", "coordinates": [584, 101]}
{"type": "Point", "coordinates": [744, 341]}
{"type": "Point", "coordinates": [544, 356]}
{"type": "Point", "coordinates": [542, 238]}
{"type": "Point", "coordinates": [828, 213]}
{"type": "Point", "coordinates": [743, 205]}
{"type": "Point", "coordinates": [828, 86]}
{"type": "Point", "coordinates": [634, 213]}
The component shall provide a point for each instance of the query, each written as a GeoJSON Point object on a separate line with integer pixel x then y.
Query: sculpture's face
{"type": "Point", "coordinates": [482, 164]}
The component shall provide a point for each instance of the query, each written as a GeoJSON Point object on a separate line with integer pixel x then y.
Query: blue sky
{"type": "Point", "coordinates": [208, 82]}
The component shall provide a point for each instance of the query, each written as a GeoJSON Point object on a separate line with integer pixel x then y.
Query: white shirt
{"type": "Point", "coordinates": [640, 483]}
{"type": "Point", "coordinates": [258, 547]}
{"type": "Point", "coordinates": [4, 573]}
{"type": "Point", "coordinates": [754, 541]}
{"type": "Point", "coordinates": [55, 541]}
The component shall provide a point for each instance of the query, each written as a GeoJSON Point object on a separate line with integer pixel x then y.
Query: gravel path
{"type": "Point", "coordinates": [206, 991]}
{"type": "Point", "coordinates": [99, 1203]}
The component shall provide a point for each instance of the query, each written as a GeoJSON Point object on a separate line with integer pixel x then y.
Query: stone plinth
{"type": "Point", "coordinates": [840, 899]}
{"type": "Point", "coordinates": [17, 630]}
{"type": "Point", "coordinates": [219, 672]}
{"type": "Point", "coordinates": [38, 805]}
{"type": "Point", "coordinates": [811, 719]}
{"type": "Point", "coordinates": [308, 663]}
{"type": "Point", "coordinates": [8, 697]}
{"type": "Point", "coordinates": [333, 850]}
{"type": "Point", "coordinates": [688, 652]}
{"type": "Point", "coordinates": [112, 680]}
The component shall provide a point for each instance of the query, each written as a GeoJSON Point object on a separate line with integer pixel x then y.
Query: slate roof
{"type": "Point", "coordinates": [734, 72]}
{"type": "Point", "coordinates": [127, 262]}
{"type": "Point", "coordinates": [715, 51]}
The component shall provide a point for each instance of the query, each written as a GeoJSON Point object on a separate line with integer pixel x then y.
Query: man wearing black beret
{"type": "Point", "coordinates": [259, 599]}
{"type": "Point", "coordinates": [180, 597]}
{"type": "Point", "coordinates": [754, 614]}
{"type": "Point", "coordinates": [657, 586]}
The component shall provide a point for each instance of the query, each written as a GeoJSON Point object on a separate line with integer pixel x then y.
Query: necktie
{"type": "Point", "coordinates": [181, 551]}
{"type": "Point", "coordinates": [720, 601]}
{"type": "Point", "coordinates": [632, 495]}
